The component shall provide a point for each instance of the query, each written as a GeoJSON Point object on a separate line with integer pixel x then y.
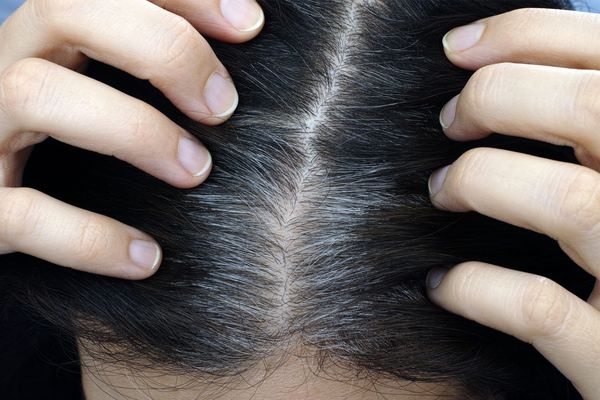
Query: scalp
{"type": "Point", "coordinates": [315, 229]}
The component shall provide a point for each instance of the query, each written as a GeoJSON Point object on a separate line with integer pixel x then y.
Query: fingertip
{"type": "Point", "coordinates": [446, 192]}
{"type": "Point", "coordinates": [221, 96]}
{"type": "Point", "coordinates": [456, 119]}
{"type": "Point", "coordinates": [448, 113]}
{"type": "Point", "coordinates": [463, 46]}
{"type": "Point", "coordinates": [194, 158]}
{"type": "Point", "coordinates": [201, 176]}
{"type": "Point", "coordinates": [435, 277]}
{"type": "Point", "coordinates": [245, 16]}
{"type": "Point", "coordinates": [436, 181]}
{"type": "Point", "coordinates": [463, 38]}
{"type": "Point", "coordinates": [219, 100]}
{"type": "Point", "coordinates": [146, 257]}
{"type": "Point", "coordinates": [228, 23]}
{"type": "Point", "coordinates": [435, 288]}
{"type": "Point", "coordinates": [452, 126]}
{"type": "Point", "coordinates": [204, 172]}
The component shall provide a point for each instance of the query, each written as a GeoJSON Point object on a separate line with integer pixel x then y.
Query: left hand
{"type": "Point", "coordinates": [538, 77]}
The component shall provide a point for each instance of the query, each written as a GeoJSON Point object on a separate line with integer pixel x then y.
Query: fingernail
{"type": "Point", "coordinates": [194, 157]}
{"type": "Point", "coordinates": [463, 37]}
{"type": "Point", "coordinates": [436, 276]}
{"type": "Point", "coordinates": [244, 15]}
{"type": "Point", "coordinates": [448, 113]}
{"type": "Point", "coordinates": [437, 180]}
{"type": "Point", "coordinates": [145, 254]}
{"type": "Point", "coordinates": [220, 95]}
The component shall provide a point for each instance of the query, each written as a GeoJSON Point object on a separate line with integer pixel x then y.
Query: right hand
{"type": "Point", "coordinates": [42, 96]}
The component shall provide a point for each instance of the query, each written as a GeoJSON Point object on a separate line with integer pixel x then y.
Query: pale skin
{"type": "Point", "coordinates": [292, 375]}
{"type": "Point", "coordinates": [42, 94]}
{"type": "Point", "coordinates": [537, 77]}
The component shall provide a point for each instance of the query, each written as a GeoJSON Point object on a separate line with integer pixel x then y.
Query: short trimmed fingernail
{"type": "Point", "coordinates": [436, 180]}
{"type": "Point", "coordinates": [243, 15]}
{"type": "Point", "coordinates": [145, 254]}
{"type": "Point", "coordinates": [448, 113]}
{"type": "Point", "coordinates": [463, 37]}
{"type": "Point", "coordinates": [436, 276]}
{"type": "Point", "coordinates": [194, 157]}
{"type": "Point", "coordinates": [220, 95]}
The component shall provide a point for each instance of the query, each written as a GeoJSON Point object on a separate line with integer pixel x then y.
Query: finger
{"type": "Point", "coordinates": [594, 298]}
{"type": "Point", "coordinates": [536, 310]}
{"type": "Point", "coordinates": [234, 21]}
{"type": "Point", "coordinates": [555, 105]}
{"type": "Point", "coordinates": [529, 35]}
{"type": "Point", "coordinates": [12, 167]}
{"type": "Point", "coordinates": [561, 200]}
{"type": "Point", "coordinates": [135, 36]}
{"type": "Point", "coordinates": [38, 96]}
{"type": "Point", "coordinates": [36, 224]}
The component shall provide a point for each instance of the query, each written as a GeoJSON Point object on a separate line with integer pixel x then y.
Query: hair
{"type": "Point", "coordinates": [315, 229]}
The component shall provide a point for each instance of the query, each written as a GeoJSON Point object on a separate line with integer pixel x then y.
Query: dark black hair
{"type": "Point", "coordinates": [315, 228]}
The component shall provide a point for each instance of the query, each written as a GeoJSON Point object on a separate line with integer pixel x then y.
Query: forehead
{"type": "Point", "coordinates": [298, 378]}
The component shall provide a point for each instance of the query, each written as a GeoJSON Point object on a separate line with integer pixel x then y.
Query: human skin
{"type": "Point", "coordinates": [292, 376]}
{"type": "Point", "coordinates": [537, 77]}
{"type": "Point", "coordinates": [43, 45]}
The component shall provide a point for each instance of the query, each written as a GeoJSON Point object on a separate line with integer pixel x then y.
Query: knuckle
{"type": "Point", "coordinates": [139, 125]}
{"type": "Point", "coordinates": [53, 9]}
{"type": "Point", "coordinates": [92, 238]}
{"type": "Point", "coordinates": [545, 307]}
{"type": "Point", "coordinates": [584, 105]}
{"type": "Point", "coordinates": [466, 278]}
{"type": "Point", "coordinates": [19, 213]}
{"type": "Point", "coordinates": [22, 83]}
{"type": "Point", "coordinates": [521, 18]}
{"type": "Point", "coordinates": [469, 167]}
{"type": "Point", "coordinates": [579, 203]}
{"type": "Point", "coordinates": [181, 42]}
{"type": "Point", "coordinates": [483, 85]}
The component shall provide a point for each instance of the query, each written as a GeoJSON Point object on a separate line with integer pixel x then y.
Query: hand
{"type": "Point", "coordinates": [556, 101]}
{"type": "Point", "coordinates": [41, 95]}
